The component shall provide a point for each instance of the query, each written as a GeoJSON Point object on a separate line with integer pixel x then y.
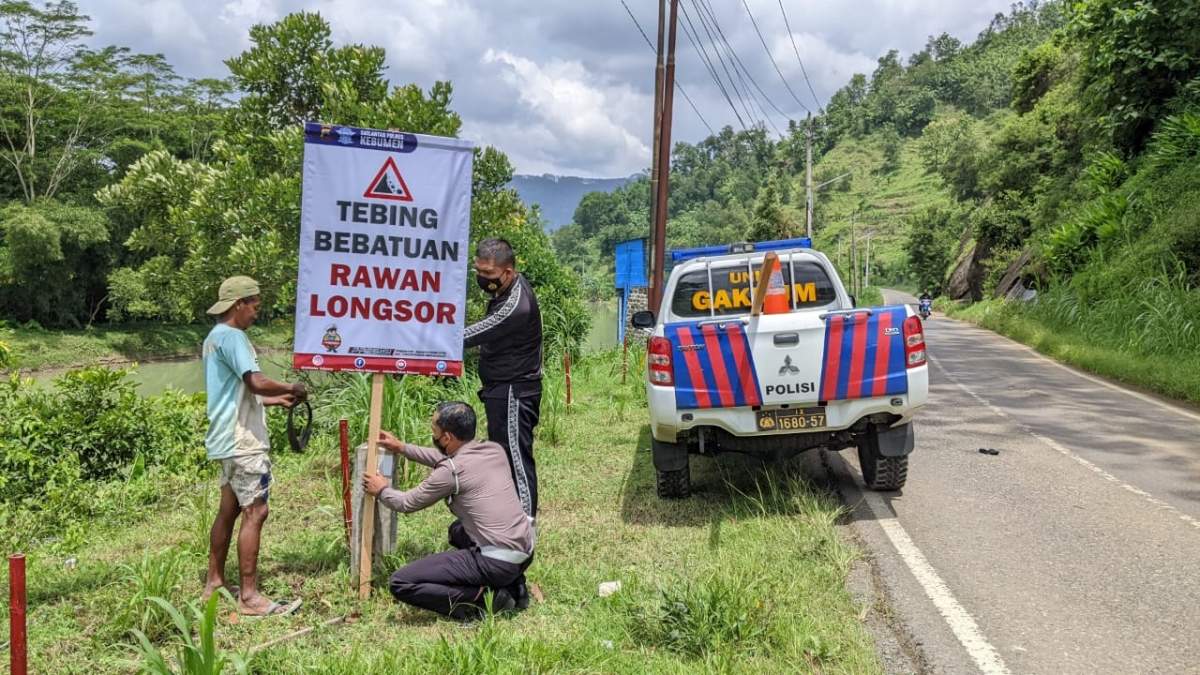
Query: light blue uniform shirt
{"type": "Point", "coordinates": [237, 420]}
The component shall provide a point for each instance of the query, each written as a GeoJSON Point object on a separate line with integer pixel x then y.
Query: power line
{"type": "Point", "coordinates": [738, 63]}
{"type": "Point", "coordinates": [677, 85]}
{"type": "Point", "coordinates": [770, 56]}
{"type": "Point", "coordinates": [693, 37]}
{"type": "Point", "coordinates": [724, 64]}
{"type": "Point", "coordinates": [798, 59]}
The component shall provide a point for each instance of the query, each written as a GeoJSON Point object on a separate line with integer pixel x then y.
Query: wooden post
{"type": "Point", "coordinates": [567, 373]}
{"type": "Point", "coordinates": [625, 358]}
{"type": "Point", "coordinates": [368, 508]}
{"type": "Point", "coordinates": [344, 442]}
{"type": "Point", "coordinates": [764, 278]}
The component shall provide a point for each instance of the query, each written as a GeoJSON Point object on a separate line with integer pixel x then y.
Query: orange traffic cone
{"type": "Point", "coordinates": [776, 299]}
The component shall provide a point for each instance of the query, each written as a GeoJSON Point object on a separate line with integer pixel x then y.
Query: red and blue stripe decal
{"type": "Point", "coordinates": [864, 355]}
{"type": "Point", "coordinates": [713, 364]}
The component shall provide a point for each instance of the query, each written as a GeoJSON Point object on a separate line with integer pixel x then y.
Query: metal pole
{"type": "Point", "coordinates": [659, 67]}
{"type": "Point", "coordinates": [808, 208]}
{"type": "Point", "coordinates": [664, 161]}
{"type": "Point", "coordinates": [19, 662]}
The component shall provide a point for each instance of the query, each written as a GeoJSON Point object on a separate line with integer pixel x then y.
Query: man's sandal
{"type": "Point", "coordinates": [276, 609]}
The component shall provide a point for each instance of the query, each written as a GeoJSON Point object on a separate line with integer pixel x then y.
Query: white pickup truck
{"type": "Point", "coordinates": [821, 373]}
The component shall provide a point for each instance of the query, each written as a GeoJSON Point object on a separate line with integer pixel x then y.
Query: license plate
{"type": "Point", "coordinates": [791, 419]}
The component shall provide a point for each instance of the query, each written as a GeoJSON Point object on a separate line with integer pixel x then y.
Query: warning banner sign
{"type": "Point", "coordinates": [383, 251]}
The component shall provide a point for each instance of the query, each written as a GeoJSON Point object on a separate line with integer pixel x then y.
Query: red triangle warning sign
{"type": "Point", "coordinates": [388, 184]}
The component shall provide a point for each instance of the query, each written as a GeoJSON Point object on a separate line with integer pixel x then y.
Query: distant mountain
{"type": "Point", "coordinates": [559, 195]}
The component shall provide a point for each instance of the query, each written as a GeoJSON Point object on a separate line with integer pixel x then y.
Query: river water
{"type": "Point", "coordinates": [187, 375]}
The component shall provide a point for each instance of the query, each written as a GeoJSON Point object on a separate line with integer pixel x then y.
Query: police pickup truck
{"type": "Point", "coordinates": [809, 370]}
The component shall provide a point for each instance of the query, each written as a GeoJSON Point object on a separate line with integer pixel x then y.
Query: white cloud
{"type": "Point", "coordinates": [573, 117]}
{"type": "Point", "coordinates": [562, 86]}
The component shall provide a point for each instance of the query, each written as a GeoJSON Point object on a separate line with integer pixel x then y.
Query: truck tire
{"type": "Point", "coordinates": [879, 472]}
{"type": "Point", "coordinates": [674, 480]}
{"type": "Point", "coordinates": [674, 484]}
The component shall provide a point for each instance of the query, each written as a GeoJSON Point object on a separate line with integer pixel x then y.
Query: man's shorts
{"type": "Point", "coordinates": [249, 476]}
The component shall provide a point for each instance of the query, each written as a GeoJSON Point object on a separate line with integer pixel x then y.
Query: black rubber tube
{"type": "Point", "coordinates": [299, 439]}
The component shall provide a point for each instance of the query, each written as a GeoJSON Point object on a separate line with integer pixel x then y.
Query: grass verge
{"type": "Point", "coordinates": [37, 349]}
{"type": "Point", "coordinates": [1176, 376]}
{"type": "Point", "coordinates": [747, 575]}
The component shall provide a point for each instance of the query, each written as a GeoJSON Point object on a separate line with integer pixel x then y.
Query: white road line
{"type": "Point", "coordinates": [1058, 447]}
{"type": "Point", "coordinates": [1090, 378]}
{"type": "Point", "coordinates": [961, 623]}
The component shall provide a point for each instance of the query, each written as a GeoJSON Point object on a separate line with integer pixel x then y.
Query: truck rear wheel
{"type": "Point", "coordinates": [674, 484]}
{"type": "Point", "coordinates": [879, 472]}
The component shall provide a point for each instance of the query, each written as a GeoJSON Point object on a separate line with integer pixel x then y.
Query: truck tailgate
{"type": "Point", "coordinates": [864, 354]}
{"type": "Point", "coordinates": [713, 365]}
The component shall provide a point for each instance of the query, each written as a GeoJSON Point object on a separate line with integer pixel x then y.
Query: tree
{"type": "Point", "coordinates": [194, 224]}
{"type": "Point", "coordinates": [769, 221]}
{"type": "Point", "coordinates": [44, 119]}
{"type": "Point", "coordinates": [932, 235]}
{"type": "Point", "coordinates": [1135, 58]}
{"type": "Point", "coordinates": [288, 72]}
{"type": "Point", "coordinates": [52, 262]}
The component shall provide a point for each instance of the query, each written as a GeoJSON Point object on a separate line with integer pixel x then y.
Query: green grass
{"type": "Point", "coordinates": [1175, 375]}
{"type": "Point", "coordinates": [879, 198]}
{"type": "Point", "coordinates": [37, 349]}
{"type": "Point", "coordinates": [747, 575]}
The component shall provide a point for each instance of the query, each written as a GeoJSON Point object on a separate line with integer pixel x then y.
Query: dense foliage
{"type": "Point", "coordinates": [164, 188]}
{"type": "Point", "coordinates": [59, 445]}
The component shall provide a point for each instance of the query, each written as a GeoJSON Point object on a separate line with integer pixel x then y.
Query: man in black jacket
{"type": "Point", "coordinates": [509, 338]}
{"type": "Point", "coordinates": [510, 362]}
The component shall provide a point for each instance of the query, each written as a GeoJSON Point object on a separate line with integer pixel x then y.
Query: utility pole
{"type": "Point", "coordinates": [867, 275]}
{"type": "Point", "coordinates": [658, 95]}
{"type": "Point", "coordinates": [664, 164]}
{"type": "Point", "coordinates": [808, 206]}
{"type": "Point", "coordinates": [853, 257]}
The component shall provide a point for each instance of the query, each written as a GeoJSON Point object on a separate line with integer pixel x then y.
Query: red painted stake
{"type": "Point", "coordinates": [567, 372]}
{"type": "Point", "coordinates": [344, 433]}
{"type": "Point", "coordinates": [16, 614]}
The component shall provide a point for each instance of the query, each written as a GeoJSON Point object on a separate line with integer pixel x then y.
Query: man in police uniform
{"type": "Point", "coordinates": [510, 362]}
{"type": "Point", "coordinates": [509, 338]}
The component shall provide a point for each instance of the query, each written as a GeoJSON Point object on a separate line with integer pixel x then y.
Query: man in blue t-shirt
{"type": "Point", "coordinates": [238, 439]}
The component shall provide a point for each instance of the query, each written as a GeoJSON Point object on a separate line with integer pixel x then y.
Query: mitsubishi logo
{"type": "Point", "coordinates": [788, 368]}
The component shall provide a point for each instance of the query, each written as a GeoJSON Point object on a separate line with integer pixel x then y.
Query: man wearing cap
{"type": "Point", "coordinates": [238, 439]}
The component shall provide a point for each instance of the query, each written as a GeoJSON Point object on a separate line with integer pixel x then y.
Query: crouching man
{"type": "Point", "coordinates": [493, 537]}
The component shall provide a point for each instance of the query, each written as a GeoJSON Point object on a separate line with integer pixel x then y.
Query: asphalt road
{"type": "Point", "coordinates": [1075, 550]}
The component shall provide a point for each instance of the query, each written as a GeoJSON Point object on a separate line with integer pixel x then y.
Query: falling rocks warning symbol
{"type": "Point", "coordinates": [388, 184]}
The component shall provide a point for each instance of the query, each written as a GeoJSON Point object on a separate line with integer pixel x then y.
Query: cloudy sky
{"type": "Point", "coordinates": [566, 86]}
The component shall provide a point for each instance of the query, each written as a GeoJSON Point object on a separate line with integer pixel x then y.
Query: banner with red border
{"type": "Point", "coordinates": [385, 218]}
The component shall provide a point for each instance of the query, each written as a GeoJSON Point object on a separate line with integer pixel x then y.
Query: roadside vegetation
{"type": "Point", "coordinates": [747, 575]}
{"type": "Point", "coordinates": [1055, 328]}
{"type": "Point", "coordinates": [32, 348]}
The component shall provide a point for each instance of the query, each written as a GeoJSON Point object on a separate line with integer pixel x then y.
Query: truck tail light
{"type": "Point", "coordinates": [658, 359]}
{"type": "Point", "coordinates": [914, 342]}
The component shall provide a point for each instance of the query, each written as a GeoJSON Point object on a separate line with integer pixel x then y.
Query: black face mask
{"type": "Point", "coordinates": [437, 444]}
{"type": "Point", "coordinates": [488, 285]}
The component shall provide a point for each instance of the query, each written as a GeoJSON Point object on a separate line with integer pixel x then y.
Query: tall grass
{"type": "Point", "coordinates": [152, 576]}
{"type": "Point", "coordinates": [198, 654]}
{"type": "Point", "coordinates": [1160, 315]}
